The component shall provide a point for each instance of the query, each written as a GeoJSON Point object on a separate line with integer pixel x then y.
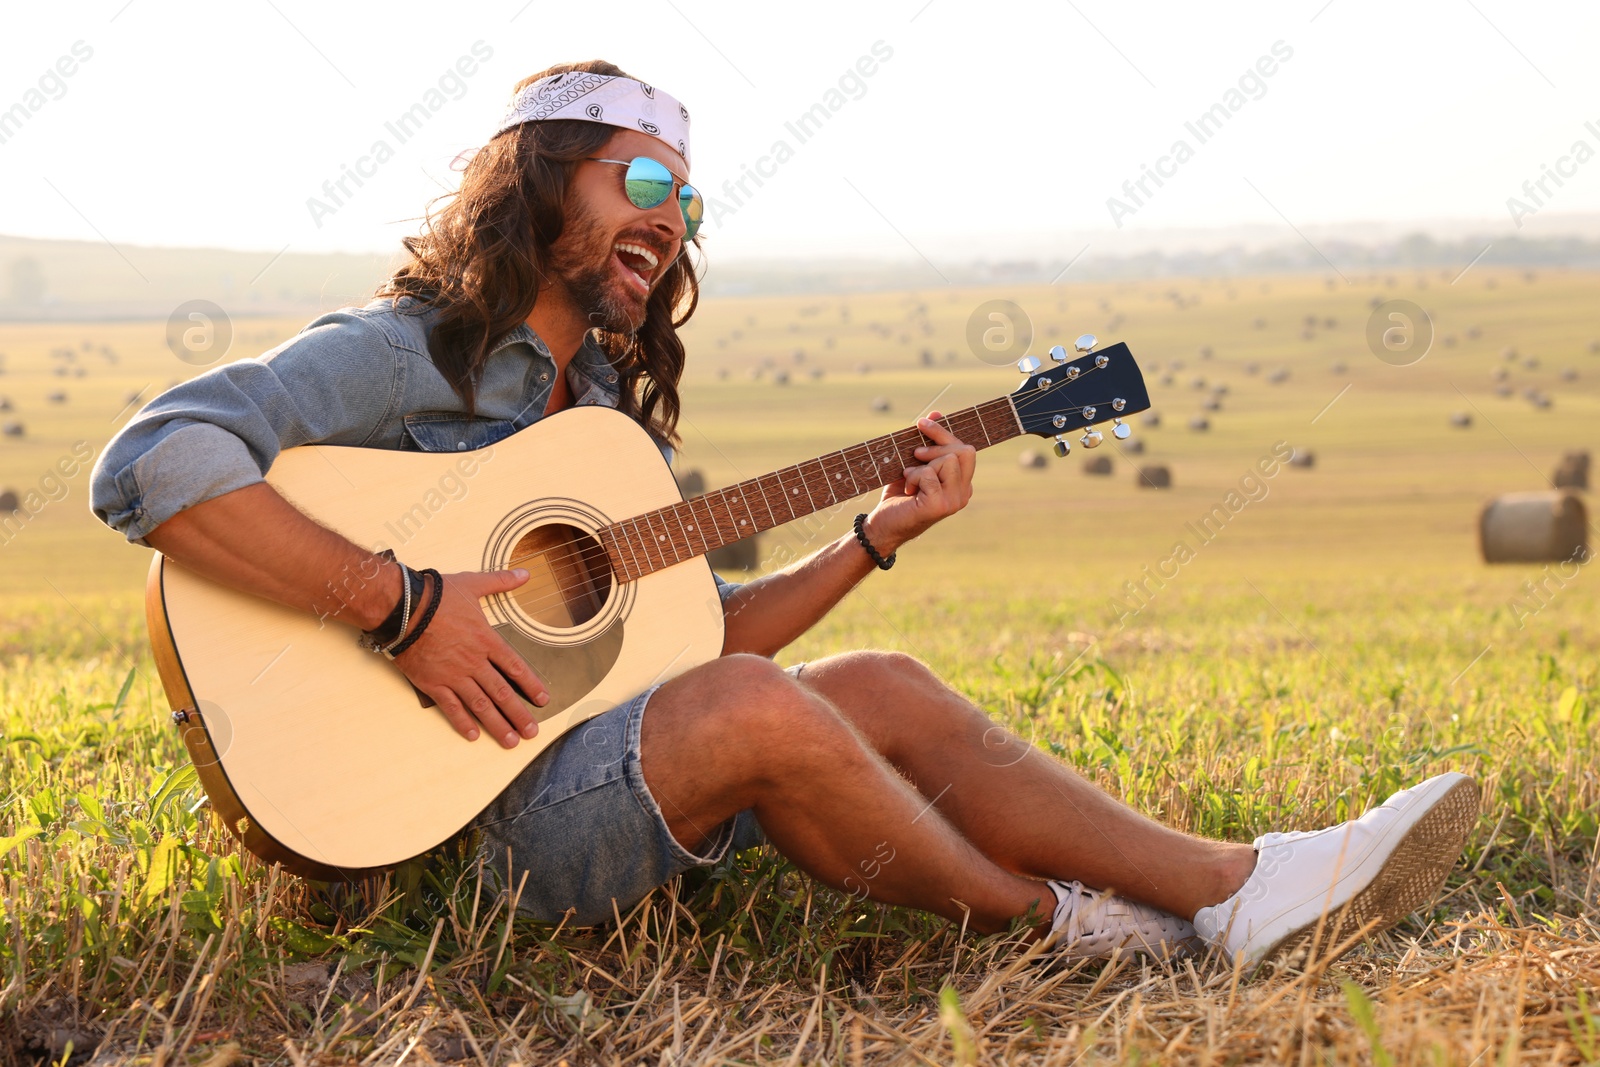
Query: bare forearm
{"type": "Point", "coordinates": [770, 612]}
{"type": "Point", "coordinates": [254, 540]}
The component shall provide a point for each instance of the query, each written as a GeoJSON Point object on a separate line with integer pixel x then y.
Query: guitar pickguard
{"type": "Point", "coordinates": [569, 672]}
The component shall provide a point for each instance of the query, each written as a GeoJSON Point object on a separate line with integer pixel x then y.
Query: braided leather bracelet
{"type": "Point", "coordinates": [391, 629]}
{"type": "Point", "coordinates": [427, 616]}
{"type": "Point", "coordinates": [861, 535]}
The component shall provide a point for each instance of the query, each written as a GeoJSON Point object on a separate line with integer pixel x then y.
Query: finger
{"type": "Point", "coordinates": [458, 717]}
{"type": "Point", "coordinates": [927, 482]}
{"type": "Point", "coordinates": [515, 669]}
{"type": "Point", "coordinates": [969, 462]}
{"type": "Point", "coordinates": [505, 698]}
{"type": "Point", "coordinates": [483, 709]}
{"type": "Point", "coordinates": [935, 431]}
{"type": "Point", "coordinates": [479, 584]}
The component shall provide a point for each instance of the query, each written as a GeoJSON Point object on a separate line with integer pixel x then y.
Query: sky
{"type": "Point", "coordinates": [953, 129]}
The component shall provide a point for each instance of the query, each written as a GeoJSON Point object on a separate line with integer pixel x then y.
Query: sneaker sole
{"type": "Point", "coordinates": [1411, 877]}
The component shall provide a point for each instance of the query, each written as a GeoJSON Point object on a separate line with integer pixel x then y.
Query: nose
{"type": "Point", "coordinates": [667, 217]}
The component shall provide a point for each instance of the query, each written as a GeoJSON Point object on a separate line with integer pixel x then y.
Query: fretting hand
{"type": "Point", "coordinates": [936, 488]}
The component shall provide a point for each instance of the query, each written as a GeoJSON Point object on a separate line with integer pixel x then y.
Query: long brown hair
{"type": "Point", "coordinates": [482, 257]}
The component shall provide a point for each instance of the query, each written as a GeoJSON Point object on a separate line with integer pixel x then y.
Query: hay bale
{"type": "Point", "coordinates": [1151, 419]}
{"type": "Point", "coordinates": [1134, 446]}
{"type": "Point", "coordinates": [1252, 368]}
{"type": "Point", "coordinates": [1573, 471]}
{"type": "Point", "coordinates": [691, 482]}
{"type": "Point", "coordinates": [1031, 459]}
{"type": "Point", "coordinates": [1279, 376]}
{"type": "Point", "coordinates": [780, 377]}
{"type": "Point", "coordinates": [1100, 465]}
{"type": "Point", "coordinates": [880, 405]}
{"type": "Point", "coordinates": [1153, 476]}
{"type": "Point", "coordinates": [13, 429]}
{"type": "Point", "coordinates": [9, 501]}
{"type": "Point", "coordinates": [1542, 526]}
{"type": "Point", "coordinates": [1212, 403]}
{"type": "Point", "coordinates": [740, 556]}
{"type": "Point", "coordinates": [1461, 420]}
{"type": "Point", "coordinates": [1305, 458]}
{"type": "Point", "coordinates": [5, 403]}
{"type": "Point", "coordinates": [1570, 374]}
{"type": "Point", "coordinates": [1200, 424]}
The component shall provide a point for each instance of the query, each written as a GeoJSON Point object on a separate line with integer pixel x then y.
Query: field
{"type": "Point", "coordinates": [1332, 637]}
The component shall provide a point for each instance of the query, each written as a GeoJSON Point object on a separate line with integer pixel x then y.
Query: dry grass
{"type": "Point", "coordinates": [136, 933]}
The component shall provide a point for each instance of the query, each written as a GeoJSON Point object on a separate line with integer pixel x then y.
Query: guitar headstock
{"type": "Point", "coordinates": [1077, 390]}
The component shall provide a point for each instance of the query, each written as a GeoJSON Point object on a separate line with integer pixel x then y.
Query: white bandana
{"type": "Point", "coordinates": [621, 102]}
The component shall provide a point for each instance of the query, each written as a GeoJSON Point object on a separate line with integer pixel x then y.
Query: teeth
{"type": "Point", "coordinates": [639, 250]}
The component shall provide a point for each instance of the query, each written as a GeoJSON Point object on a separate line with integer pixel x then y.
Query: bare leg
{"type": "Point", "coordinates": [738, 733]}
{"type": "Point", "coordinates": [1026, 811]}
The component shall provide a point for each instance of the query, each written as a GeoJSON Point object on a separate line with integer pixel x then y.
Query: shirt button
{"type": "Point", "coordinates": [611, 378]}
{"type": "Point", "coordinates": [544, 377]}
{"type": "Point", "coordinates": [461, 446]}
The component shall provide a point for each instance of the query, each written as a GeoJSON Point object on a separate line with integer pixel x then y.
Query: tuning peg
{"type": "Point", "coordinates": [1086, 343]}
{"type": "Point", "coordinates": [1058, 354]}
{"type": "Point", "coordinates": [1092, 438]}
{"type": "Point", "coordinates": [1121, 430]}
{"type": "Point", "coordinates": [1063, 446]}
{"type": "Point", "coordinates": [1028, 364]}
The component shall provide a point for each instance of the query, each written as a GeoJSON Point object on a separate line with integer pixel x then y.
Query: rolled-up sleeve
{"type": "Point", "coordinates": [332, 383]}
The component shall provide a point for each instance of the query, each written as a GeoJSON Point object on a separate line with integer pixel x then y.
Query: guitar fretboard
{"type": "Point", "coordinates": [657, 539]}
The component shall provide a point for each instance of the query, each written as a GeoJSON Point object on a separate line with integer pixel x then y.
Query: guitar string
{"type": "Point", "coordinates": [595, 587]}
{"type": "Point", "coordinates": [585, 558]}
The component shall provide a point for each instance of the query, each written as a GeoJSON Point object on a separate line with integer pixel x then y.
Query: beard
{"type": "Point", "coordinates": [585, 268]}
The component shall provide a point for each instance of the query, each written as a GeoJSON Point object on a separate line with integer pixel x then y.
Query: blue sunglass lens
{"type": "Point", "coordinates": [648, 184]}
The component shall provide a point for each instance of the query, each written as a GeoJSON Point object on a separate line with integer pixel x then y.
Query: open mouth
{"type": "Point", "coordinates": [638, 263]}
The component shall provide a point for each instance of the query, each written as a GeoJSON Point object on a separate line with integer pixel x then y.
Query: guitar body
{"type": "Point", "coordinates": [321, 755]}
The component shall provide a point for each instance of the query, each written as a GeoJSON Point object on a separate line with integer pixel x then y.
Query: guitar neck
{"type": "Point", "coordinates": [669, 535]}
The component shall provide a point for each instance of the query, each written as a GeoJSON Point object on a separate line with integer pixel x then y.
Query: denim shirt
{"type": "Point", "coordinates": [356, 376]}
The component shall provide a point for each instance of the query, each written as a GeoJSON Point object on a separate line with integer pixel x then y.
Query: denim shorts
{"type": "Point", "coordinates": [581, 821]}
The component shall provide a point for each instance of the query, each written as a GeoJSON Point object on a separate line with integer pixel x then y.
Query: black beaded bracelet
{"type": "Point", "coordinates": [427, 616]}
{"type": "Point", "coordinates": [861, 535]}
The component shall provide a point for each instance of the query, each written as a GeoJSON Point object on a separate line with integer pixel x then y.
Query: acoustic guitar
{"type": "Point", "coordinates": [323, 757]}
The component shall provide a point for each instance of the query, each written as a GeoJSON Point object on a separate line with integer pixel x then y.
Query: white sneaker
{"type": "Point", "coordinates": [1376, 869]}
{"type": "Point", "coordinates": [1089, 924]}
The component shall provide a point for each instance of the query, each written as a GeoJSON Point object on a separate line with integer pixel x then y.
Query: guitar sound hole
{"type": "Point", "coordinates": [569, 576]}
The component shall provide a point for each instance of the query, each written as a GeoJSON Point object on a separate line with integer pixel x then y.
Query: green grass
{"type": "Point", "coordinates": [1337, 640]}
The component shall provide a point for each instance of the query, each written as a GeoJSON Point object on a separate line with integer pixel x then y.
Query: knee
{"type": "Point", "coordinates": [870, 671]}
{"type": "Point", "coordinates": [756, 704]}
{"type": "Point", "coordinates": [753, 696]}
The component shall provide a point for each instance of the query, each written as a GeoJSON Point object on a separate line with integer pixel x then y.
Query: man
{"type": "Point", "coordinates": [558, 276]}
